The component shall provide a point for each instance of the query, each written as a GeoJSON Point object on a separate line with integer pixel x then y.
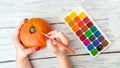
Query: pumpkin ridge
{"type": "Point", "coordinates": [39, 32]}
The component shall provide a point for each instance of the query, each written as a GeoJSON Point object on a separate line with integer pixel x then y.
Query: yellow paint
{"type": "Point", "coordinates": [73, 14]}
{"type": "Point", "coordinates": [67, 19]}
{"type": "Point", "coordinates": [82, 15]}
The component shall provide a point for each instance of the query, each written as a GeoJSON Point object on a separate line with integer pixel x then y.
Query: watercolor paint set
{"type": "Point", "coordinates": [87, 31]}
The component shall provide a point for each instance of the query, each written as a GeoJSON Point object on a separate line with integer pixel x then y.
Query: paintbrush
{"type": "Point", "coordinates": [59, 43]}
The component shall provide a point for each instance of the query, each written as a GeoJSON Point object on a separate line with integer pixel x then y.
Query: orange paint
{"type": "Point", "coordinates": [67, 19]}
{"type": "Point", "coordinates": [75, 28]}
{"type": "Point", "coordinates": [77, 19]}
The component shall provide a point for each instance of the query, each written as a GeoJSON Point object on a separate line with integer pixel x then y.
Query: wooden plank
{"type": "Point", "coordinates": [13, 12]}
{"type": "Point", "coordinates": [7, 47]}
{"type": "Point", "coordinates": [81, 61]}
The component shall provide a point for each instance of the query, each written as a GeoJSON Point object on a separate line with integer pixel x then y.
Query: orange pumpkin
{"type": "Point", "coordinates": [30, 33]}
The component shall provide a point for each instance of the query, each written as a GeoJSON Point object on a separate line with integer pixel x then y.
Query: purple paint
{"type": "Point", "coordinates": [101, 38]}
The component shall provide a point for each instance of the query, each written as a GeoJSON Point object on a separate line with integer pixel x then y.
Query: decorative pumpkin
{"type": "Point", "coordinates": [30, 33]}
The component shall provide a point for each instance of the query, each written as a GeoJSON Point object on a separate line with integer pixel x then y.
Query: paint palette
{"type": "Point", "coordinates": [87, 31]}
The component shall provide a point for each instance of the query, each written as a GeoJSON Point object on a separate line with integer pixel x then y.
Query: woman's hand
{"type": "Point", "coordinates": [58, 50]}
{"type": "Point", "coordinates": [22, 60]}
{"type": "Point", "coordinates": [21, 51]}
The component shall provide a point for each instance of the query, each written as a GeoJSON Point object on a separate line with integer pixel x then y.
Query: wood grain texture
{"type": "Point", "coordinates": [80, 61]}
{"type": "Point", "coordinates": [13, 11]}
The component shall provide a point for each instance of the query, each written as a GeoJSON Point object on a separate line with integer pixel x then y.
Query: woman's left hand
{"type": "Point", "coordinates": [21, 51]}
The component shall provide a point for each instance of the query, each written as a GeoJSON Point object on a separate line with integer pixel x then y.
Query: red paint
{"type": "Point", "coordinates": [79, 32]}
{"type": "Point", "coordinates": [90, 24]}
{"type": "Point", "coordinates": [81, 24]}
{"type": "Point", "coordinates": [82, 37]}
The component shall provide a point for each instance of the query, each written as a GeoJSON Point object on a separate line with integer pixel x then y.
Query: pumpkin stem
{"type": "Point", "coordinates": [32, 29]}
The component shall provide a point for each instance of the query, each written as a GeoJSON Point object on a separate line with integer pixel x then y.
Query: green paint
{"type": "Point", "coordinates": [88, 33]}
{"type": "Point", "coordinates": [94, 52]}
{"type": "Point", "coordinates": [92, 38]}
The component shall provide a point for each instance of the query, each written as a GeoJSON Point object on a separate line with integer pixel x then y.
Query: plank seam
{"type": "Point", "coordinates": [8, 61]}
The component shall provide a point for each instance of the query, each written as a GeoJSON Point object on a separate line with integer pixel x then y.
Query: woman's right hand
{"type": "Point", "coordinates": [56, 49]}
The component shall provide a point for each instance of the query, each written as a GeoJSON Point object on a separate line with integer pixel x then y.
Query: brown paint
{"type": "Point", "coordinates": [105, 43]}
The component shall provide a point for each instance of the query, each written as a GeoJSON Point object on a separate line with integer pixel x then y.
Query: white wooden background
{"type": "Point", "coordinates": [13, 11]}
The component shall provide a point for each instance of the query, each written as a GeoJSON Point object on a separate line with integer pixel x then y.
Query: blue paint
{"type": "Point", "coordinates": [96, 43]}
{"type": "Point", "coordinates": [97, 34]}
{"type": "Point", "coordinates": [90, 47]}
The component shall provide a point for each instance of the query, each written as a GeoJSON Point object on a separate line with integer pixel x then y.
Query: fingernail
{"type": "Point", "coordinates": [25, 19]}
{"type": "Point", "coordinates": [37, 48]}
{"type": "Point", "coordinates": [47, 38]}
{"type": "Point", "coordinates": [49, 34]}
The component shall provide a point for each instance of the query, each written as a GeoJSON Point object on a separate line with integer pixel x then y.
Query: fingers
{"type": "Point", "coordinates": [59, 35]}
{"type": "Point", "coordinates": [30, 50]}
{"type": "Point", "coordinates": [19, 26]}
{"type": "Point", "coordinates": [51, 45]}
{"type": "Point", "coordinates": [18, 45]}
{"type": "Point", "coordinates": [17, 42]}
{"type": "Point", "coordinates": [21, 23]}
{"type": "Point", "coordinates": [53, 32]}
{"type": "Point", "coordinates": [16, 34]}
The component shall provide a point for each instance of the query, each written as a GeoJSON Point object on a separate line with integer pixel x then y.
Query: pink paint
{"type": "Point", "coordinates": [86, 20]}
{"type": "Point", "coordinates": [86, 42]}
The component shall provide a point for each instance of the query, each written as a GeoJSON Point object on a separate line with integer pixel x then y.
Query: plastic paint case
{"type": "Point", "coordinates": [87, 31]}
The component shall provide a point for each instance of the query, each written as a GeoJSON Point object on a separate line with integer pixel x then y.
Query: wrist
{"type": "Point", "coordinates": [19, 58]}
{"type": "Point", "coordinates": [63, 55]}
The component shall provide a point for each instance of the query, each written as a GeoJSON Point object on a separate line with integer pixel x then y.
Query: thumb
{"type": "Point", "coordinates": [31, 50]}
